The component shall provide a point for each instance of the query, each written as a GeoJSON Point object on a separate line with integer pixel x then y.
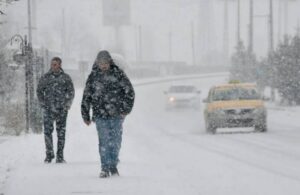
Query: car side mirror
{"type": "Point", "coordinates": [205, 100]}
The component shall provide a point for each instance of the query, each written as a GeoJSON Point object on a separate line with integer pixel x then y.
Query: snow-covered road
{"type": "Point", "coordinates": [2, 140]}
{"type": "Point", "coordinates": [163, 153]}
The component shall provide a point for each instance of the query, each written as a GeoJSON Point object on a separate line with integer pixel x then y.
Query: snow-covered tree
{"type": "Point", "coordinates": [287, 69]}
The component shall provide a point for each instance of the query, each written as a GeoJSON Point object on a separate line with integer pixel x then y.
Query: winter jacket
{"type": "Point", "coordinates": [55, 91]}
{"type": "Point", "coordinates": [110, 94]}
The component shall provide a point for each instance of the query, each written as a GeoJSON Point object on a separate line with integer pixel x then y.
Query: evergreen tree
{"type": "Point", "coordinates": [287, 70]}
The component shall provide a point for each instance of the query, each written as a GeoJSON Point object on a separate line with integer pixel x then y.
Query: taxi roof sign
{"type": "Point", "coordinates": [234, 85]}
{"type": "Point", "coordinates": [234, 81]}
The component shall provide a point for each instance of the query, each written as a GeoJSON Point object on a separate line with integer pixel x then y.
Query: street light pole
{"type": "Point", "coordinates": [271, 47]}
{"type": "Point", "coordinates": [29, 64]}
{"type": "Point", "coordinates": [23, 47]}
{"type": "Point", "coordinates": [30, 78]}
{"type": "Point", "coordinates": [225, 33]}
{"type": "Point", "coordinates": [27, 99]}
{"type": "Point", "coordinates": [271, 43]}
{"type": "Point", "coordinates": [170, 45]}
{"type": "Point", "coordinates": [29, 21]}
{"type": "Point", "coordinates": [193, 44]}
{"type": "Point", "coordinates": [238, 22]}
{"type": "Point", "coordinates": [250, 46]}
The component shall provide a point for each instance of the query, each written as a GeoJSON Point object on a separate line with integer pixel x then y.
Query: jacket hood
{"type": "Point", "coordinates": [103, 55]}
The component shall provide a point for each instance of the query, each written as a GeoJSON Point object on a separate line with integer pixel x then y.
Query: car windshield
{"type": "Point", "coordinates": [235, 94]}
{"type": "Point", "coordinates": [182, 89]}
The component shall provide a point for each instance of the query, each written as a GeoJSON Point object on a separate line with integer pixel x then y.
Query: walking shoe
{"type": "Point", "coordinates": [114, 171]}
{"type": "Point", "coordinates": [49, 158]}
{"type": "Point", "coordinates": [60, 160]}
{"type": "Point", "coordinates": [104, 174]}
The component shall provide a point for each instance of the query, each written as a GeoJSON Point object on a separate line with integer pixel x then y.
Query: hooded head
{"type": "Point", "coordinates": [103, 57]}
{"type": "Point", "coordinates": [103, 60]}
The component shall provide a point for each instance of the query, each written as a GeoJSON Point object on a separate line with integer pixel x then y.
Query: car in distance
{"type": "Point", "coordinates": [182, 96]}
{"type": "Point", "coordinates": [235, 105]}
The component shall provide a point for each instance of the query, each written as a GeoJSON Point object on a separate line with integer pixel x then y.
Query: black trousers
{"type": "Point", "coordinates": [60, 118]}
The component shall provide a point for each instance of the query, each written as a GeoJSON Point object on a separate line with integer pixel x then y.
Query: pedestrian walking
{"type": "Point", "coordinates": [55, 93]}
{"type": "Point", "coordinates": [110, 94]}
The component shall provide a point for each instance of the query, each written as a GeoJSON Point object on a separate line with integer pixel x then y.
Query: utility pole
{"type": "Point", "coordinates": [271, 42]}
{"type": "Point", "coordinates": [225, 35]}
{"type": "Point", "coordinates": [238, 21]}
{"type": "Point", "coordinates": [286, 17]}
{"type": "Point", "coordinates": [279, 20]}
{"type": "Point", "coordinates": [29, 65]}
{"type": "Point", "coordinates": [34, 22]}
{"type": "Point", "coordinates": [63, 37]}
{"type": "Point", "coordinates": [193, 44]}
{"type": "Point", "coordinates": [170, 45]}
{"type": "Point", "coordinates": [29, 22]}
{"type": "Point", "coordinates": [271, 49]}
{"type": "Point", "coordinates": [27, 100]}
{"type": "Point", "coordinates": [250, 46]}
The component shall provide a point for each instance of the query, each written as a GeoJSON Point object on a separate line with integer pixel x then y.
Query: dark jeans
{"type": "Point", "coordinates": [60, 117]}
{"type": "Point", "coordinates": [110, 138]}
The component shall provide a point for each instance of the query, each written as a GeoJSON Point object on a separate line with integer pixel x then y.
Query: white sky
{"type": "Point", "coordinates": [85, 34]}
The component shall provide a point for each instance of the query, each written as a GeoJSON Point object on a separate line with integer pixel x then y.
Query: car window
{"type": "Point", "coordinates": [225, 94]}
{"type": "Point", "coordinates": [248, 94]}
{"type": "Point", "coordinates": [182, 89]}
{"type": "Point", "coordinates": [235, 94]}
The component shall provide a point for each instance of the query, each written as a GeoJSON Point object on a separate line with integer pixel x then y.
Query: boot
{"type": "Point", "coordinates": [114, 171]}
{"type": "Point", "coordinates": [49, 157]}
{"type": "Point", "coordinates": [104, 173]}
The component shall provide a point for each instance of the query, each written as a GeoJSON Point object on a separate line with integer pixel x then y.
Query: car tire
{"type": "Point", "coordinates": [210, 128]}
{"type": "Point", "coordinates": [261, 127]}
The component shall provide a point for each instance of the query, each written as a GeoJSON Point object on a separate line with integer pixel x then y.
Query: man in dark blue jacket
{"type": "Point", "coordinates": [110, 94]}
{"type": "Point", "coordinates": [55, 92]}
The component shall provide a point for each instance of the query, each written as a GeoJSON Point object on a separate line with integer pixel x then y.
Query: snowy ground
{"type": "Point", "coordinates": [162, 153]}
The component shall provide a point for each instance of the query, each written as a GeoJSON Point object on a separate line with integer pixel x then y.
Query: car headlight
{"type": "Point", "coordinates": [171, 99]}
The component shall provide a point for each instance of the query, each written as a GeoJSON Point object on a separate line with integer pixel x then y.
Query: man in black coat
{"type": "Point", "coordinates": [110, 94]}
{"type": "Point", "coordinates": [55, 92]}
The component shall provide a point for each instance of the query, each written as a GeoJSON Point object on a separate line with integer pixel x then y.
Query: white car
{"type": "Point", "coordinates": [182, 96]}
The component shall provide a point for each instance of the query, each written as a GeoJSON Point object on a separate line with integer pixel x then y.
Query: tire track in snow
{"type": "Point", "coordinates": [261, 144]}
{"type": "Point", "coordinates": [219, 150]}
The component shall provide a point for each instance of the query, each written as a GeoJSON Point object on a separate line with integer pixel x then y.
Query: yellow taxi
{"type": "Point", "coordinates": [235, 105]}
